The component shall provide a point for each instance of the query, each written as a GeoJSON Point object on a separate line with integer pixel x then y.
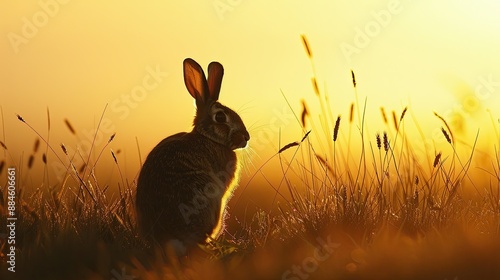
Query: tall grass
{"type": "Point", "coordinates": [387, 211]}
{"type": "Point", "coordinates": [75, 228]}
{"type": "Point", "coordinates": [390, 192]}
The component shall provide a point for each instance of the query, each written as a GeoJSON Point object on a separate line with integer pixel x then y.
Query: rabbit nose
{"type": "Point", "coordinates": [240, 140]}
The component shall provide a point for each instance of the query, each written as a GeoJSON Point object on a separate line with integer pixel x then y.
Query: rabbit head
{"type": "Point", "coordinates": [213, 120]}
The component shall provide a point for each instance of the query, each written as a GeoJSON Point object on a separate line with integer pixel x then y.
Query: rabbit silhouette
{"type": "Point", "coordinates": [188, 177]}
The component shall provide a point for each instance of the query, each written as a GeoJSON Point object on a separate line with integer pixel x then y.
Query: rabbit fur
{"type": "Point", "coordinates": [188, 177]}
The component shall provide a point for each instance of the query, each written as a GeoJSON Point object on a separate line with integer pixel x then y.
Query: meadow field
{"type": "Point", "coordinates": [347, 204]}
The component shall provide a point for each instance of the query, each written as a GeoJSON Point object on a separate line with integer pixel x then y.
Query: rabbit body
{"type": "Point", "coordinates": [187, 178]}
{"type": "Point", "coordinates": [180, 198]}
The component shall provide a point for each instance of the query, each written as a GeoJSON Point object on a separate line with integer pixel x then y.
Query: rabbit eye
{"type": "Point", "coordinates": [220, 117]}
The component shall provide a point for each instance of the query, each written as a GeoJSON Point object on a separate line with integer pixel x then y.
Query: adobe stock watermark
{"type": "Point", "coordinates": [363, 36]}
{"type": "Point", "coordinates": [324, 249]}
{"type": "Point", "coordinates": [267, 134]}
{"type": "Point", "coordinates": [486, 87]}
{"type": "Point", "coordinates": [222, 7]}
{"type": "Point", "coordinates": [129, 101]}
{"type": "Point", "coordinates": [32, 25]}
{"type": "Point", "coordinates": [213, 190]}
{"type": "Point", "coordinates": [121, 106]}
{"type": "Point", "coordinates": [11, 219]}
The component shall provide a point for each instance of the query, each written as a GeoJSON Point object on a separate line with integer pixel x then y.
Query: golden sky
{"type": "Point", "coordinates": [74, 57]}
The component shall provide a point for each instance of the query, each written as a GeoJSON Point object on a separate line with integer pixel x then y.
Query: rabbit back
{"type": "Point", "coordinates": [181, 187]}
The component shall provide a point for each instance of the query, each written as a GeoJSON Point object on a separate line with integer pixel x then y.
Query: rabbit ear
{"type": "Point", "coordinates": [195, 81]}
{"type": "Point", "coordinates": [215, 73]}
